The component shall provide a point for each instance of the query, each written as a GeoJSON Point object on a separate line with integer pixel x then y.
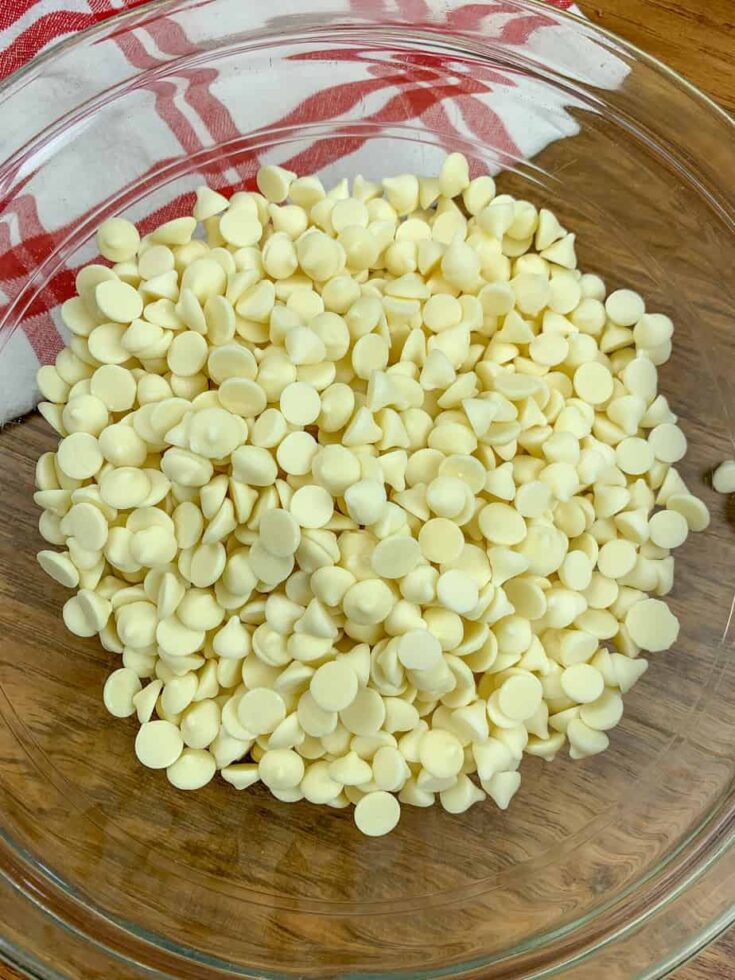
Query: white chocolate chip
{"type": "Point", "coordinates": [334, 686]}
{"type": "Point", "coordinates": [668, 529]}
{"type": "Point", "coordinates": [60, 567]}
{"type": "Point", "coordinates": [79, 456]}
{"type": "Point", "coordinates": [300, 403]}
{"type": "Point", "coordinates": [593, 383]}
{"type": "Point", "coordinates": [118, 301]}
{"type": "Point", "coordinates": [369, 486]}
{"type": "Point", "coordinates": [377, 813]}
{"type": "Point", "coordinates": [625, 307]}
{"type": "Point", "coordinates": [311, 506]}
{"type": "Point", "coordinates": [274, 182]}
{"type": "Point", "coordinates": [119, 692]}
{"type": "Point", "coordinates": [723, 479]}
{"type": "Point", "coordinates": [281, 769]}
{"type": "Point", "coordinates": [440, 753]}
{"type": "Point", "coordinates": [117, 239]}
{"type": "Point", "coordinates": [652, 625]}
{"type": "Point", "coordinates": [192, 770]}
{"type": "Point", "coordinates": [395, 557]}
{"type": "Point", "coordinates": [158, 744]}
{"type": "Point", "coordinates": [668, 442]}
{"type": "Point", "coordinates": [440, 540]}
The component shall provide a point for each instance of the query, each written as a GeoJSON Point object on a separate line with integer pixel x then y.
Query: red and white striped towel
{"type": "Point", "coordinates": [29, 27]}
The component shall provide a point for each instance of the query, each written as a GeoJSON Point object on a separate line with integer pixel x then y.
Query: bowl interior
{"type": "Point", "coordinates": [219, 880]}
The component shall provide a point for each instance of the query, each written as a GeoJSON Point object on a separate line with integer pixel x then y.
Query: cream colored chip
{"type": "Point", "coordinates": [692, 509]}
{"type": "Point", "coordinates": [311, 506]}
{"type": "Point", "coordinates": [458, 591]}
{"type": "Point", "coordinates": [625, 307]}
{"type": "Point", "coordinates": [582, 683]}
{"type": "Point", "coordinates": [652, 625]}
{"type": "Point", "coordinates": [105, 343]}
{"type": "Point", "coordinates": [187, 354]}
{"type": "Point", "coordinates": [446, 496]}
{"type": "Point", "coordinates": [240, 227]}
{"type": "Point", "coordinates": [261, 710]}
{"type": "Point", "coordinates": [87, 525]}
{"type": "Point", "coordinates": [533, 499]}
{"type": "Point", "coordinates": [79, 456]}
{"type": "Point", "coordinates": [118, 239]}
{"type": "Point", "coordinates": [85, 413]}
{"type": "Point", "coordinates": [668, 529]}
{"type": "Point", "coordinates": [519, 697]}
{"type": "Point", "coordinates": [158, 744]}
{"type": "Point", "coordinates": [334, 686]}
{"type": "Point", "coordinates": [214, 433]}
{"type": "Point", "coordinates": [145, 700]}
{"type": "Point", "coordinates": [617, 558]}
{"type": "Point", "coordinates": [365, 500]}
{"type": "Point", "coordinates": [280, 532]}
{"type": "Point", "coordinates": [118, 301]}
{"type": "Point", "coordinates": [366, 713]}
{"type": "Point", "coordinates": [440, 540]}
{"type": "Point", "coordinates": [254, 465]}
{"type": "Point", "coordinates": [468, 469]}
{"type": "Point", "coordinates": [593, 382]}
{"type": "Point", "coordinates": [377, 813]}
{"type": "Point", "coordinates": [395, 557]}
{"type": "Point", "coordinates": [300, 403]}
{"type": "Point", "coordinates": [243, 397]}
{"type": "Point", "coordinates": [368, 602]}
{"type": "Point", "coordinates": [124, 487]}
{"type": "Point", "coordinates": [634, 455]}
{"type": "Point", "coordinates": [270, 568]}
{"type": "Point", "coordinates": [440, 753]}
{"type": "Point", "coordinates": [274, 182]}
{"type": "Point", "coordinates": [269, 429]}
{"type": "Point", "coordinates": [231, 361]}
{"type": "Point", "coordinates": [723, 478]}
{"type": "Point", "coordinates": [419, 649]}
{"type": "Point", "coordinates": [281, 769]}
{"type": "Point", "coordinates": [375, 484]}
{"type": "Point", "coordinates": [119, 692]}
{"type": "Point", "coordinates": [502, 524]}
{"type": "Point", "coordinates": [576, 571]}
{"type": "Point", "coordinates": [668, 443]}
{"type": "Point", "coordinates": [59, 567]}
{"type": "Point", "coordinates": [114, 386]}
{"type": "Point", "coordinates": [296, 452]}
{"type": "Point", "coordinates": [192, 770]}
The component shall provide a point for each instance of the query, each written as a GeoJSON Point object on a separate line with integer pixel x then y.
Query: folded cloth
{"type": "Point", "coordinates": [30, 27]}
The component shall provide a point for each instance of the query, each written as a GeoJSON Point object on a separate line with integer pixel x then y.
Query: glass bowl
{"type": "Point", "coordinates": [614, 867]}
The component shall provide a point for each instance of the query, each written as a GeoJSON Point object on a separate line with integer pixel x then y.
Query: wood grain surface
{"type": "Point", "coordinates": [697, 38]}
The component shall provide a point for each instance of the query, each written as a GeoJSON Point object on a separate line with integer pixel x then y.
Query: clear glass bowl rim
{"type": "Point", "coordinates": [712, 842]}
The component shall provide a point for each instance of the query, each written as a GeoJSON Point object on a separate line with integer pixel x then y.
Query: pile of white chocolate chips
{"type": "Point", "coordinates": [371, 489]}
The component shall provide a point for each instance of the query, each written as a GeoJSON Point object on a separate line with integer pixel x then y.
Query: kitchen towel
{"type": "Point", "coordinates": [31, 27]}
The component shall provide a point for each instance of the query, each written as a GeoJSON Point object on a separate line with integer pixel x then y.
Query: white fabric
{"type": "Point", "coordinates": [533, 113]}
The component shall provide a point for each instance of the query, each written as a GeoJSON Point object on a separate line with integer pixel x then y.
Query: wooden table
{"type": "Point", "coordinates": [694, 37]}
{"type": "Point", "coordinates": [698, 40]}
